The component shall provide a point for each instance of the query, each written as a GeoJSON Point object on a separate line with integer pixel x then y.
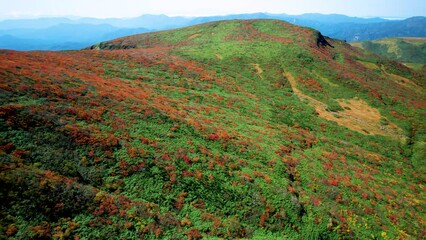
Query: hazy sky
{"type": "Point", "coordinates": [133, 8]}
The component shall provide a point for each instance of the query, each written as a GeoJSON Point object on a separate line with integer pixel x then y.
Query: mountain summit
{"type": "Point", "coordinates": [230, 129]}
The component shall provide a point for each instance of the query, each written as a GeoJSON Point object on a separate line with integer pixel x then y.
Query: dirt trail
{"type": "Point", "coordinates": [313, 102]}
{"type": "Point", "coordinates": [219, 56]}
{"type": "Point", "coordinates": [357, 114]}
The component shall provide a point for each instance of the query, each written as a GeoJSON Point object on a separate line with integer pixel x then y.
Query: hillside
{"type": "Point", "coordinates": [234, 129]}
{"type": "Point", "coordinates": [410, 51]}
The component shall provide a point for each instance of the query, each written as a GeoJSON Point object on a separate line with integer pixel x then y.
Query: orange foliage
{"type": "Point", "coordinates": [193, 234]}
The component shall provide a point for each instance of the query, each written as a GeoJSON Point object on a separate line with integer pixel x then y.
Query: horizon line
{"type": "Point", "coordinates": [71, 17]}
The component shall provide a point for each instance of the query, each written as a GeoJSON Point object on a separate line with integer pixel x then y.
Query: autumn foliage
{"type": "Point", "coordinates": [197, 133]}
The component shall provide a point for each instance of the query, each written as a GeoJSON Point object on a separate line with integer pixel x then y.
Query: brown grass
{"type": "Point", "coordinates": [369, 65]}
{"type": "Point", "coordinates": [219, 56]}
{"type": "Point", "coordinates": [357, 114]}
{"type": "Point", "coordinates": [258, 69]}
{"type": "Point", "coordinates": [194, 36]}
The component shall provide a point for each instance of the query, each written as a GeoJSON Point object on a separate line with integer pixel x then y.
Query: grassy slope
{"type": "Point", "coordinates": [410, 51]}
{"type": "Point", "coordinates": [199, 132]}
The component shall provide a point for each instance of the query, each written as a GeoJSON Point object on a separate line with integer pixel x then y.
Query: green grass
{"type": "Point", "coordinates": [196, 132]}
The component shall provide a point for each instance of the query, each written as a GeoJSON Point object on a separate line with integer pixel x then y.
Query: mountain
{"type": "Point", "coordinates": [11, 42]}
{"type": "Point", "coordinates": [308, 19]}
{"type": "Point", "coordinates": [38, 23]}
{"type": "Point", "coordinates": [233, 129]}
{"type": "Point", "coordinates": [410, 51]}
{"type": "Point", "coordinates": [63, 36]}
{"type": "Point", "coordinates": [28, 32]}
{"type": "Point", "coordinates": [145, 21]}
{"type": "Point", "coordinates": [337, 18]}
{"type": "Point", "coordinates": [411, 27]}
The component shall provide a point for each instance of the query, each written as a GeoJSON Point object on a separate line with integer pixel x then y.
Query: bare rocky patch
{"type": "Point", "coordinates": [356, 115]}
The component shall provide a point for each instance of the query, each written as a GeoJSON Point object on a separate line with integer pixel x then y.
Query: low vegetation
{"type": "Point", "coordinates": [212, 131]}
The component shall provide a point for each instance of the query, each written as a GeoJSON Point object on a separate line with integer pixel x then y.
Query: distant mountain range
{"type": "Point", "coordinates": [66, 34]}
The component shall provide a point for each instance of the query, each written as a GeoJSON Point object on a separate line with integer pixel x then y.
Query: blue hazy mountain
{"type": "Point", "coordinates": [63, 36]}
{"type": "Point", "coordinates": [38, 23]}
{"type": "Point", "coordinates": [308, 18]}
{"type": "Point", "coordinates": [411, 27]}
{"type": "Point", "coordinates": [145, 21]}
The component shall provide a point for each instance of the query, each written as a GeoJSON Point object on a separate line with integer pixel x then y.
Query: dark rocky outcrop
{"type": "Point", "coordinates": [110, 46]}
{"type": "Point", "coordinates": [322, 42]}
